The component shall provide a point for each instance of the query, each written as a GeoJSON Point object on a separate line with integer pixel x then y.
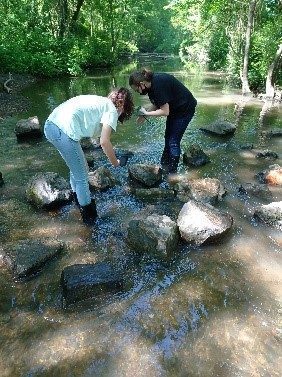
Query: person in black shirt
{"type": "Point", "coordinates": [170, 98]}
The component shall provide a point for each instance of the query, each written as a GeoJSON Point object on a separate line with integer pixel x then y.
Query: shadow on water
{"type": "Point", "coordinates": [212, 311]}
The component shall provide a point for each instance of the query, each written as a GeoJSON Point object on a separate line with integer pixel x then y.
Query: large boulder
{"type": "Point", "coordinates": [27, 257]}
{"type": "Point", "coordinates": [221, 128]}
{"type": "Point", "coordinates": [207, 190]}
{"type": "Point", "coordinates": [82, 281]}
{"type": "Point", "coordinates": [155, 234]}
{"type": "Point", "coordinates": [270, 214]}
{"type": "Point", "coordinates": [101, 179]}
{"type": "Point", "coordinates": [201, 223]}
{"type": "Point", "coordinates": [145, 174]}
{"type": "Point", "coordinates": [47, 190]}
{"type": "Point", "coordinates": [28, 128]}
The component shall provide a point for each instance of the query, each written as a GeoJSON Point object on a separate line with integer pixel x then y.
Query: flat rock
{"type": "Point", "coordinates": [27, 257]}
{"type": "Point", "coordinates": [82, 281]}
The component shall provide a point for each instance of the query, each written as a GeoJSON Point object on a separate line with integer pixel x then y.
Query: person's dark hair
{"type": "Point", "coordinates": [121, 97]}
{"type": "Point", "coordinates": [144, 75]}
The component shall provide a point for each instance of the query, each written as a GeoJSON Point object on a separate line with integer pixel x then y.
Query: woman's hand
{"type": "Point", "coordinates": [142, 111]}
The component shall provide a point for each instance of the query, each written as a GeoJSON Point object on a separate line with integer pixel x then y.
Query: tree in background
{"type": "Point", "coordinates": [53, 37]}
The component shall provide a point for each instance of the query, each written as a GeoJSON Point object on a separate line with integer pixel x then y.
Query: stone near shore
{"type": "Point", "coordinates": [28, 129]}
{"type": "Point", "coordinates": [48, 190]}
{"type": "Point", "coordinates": [201, 223]}
{"type": "Point", "coordinates": [83, 281]}
{"type": "Point", "coordinates": [155, 234]}
{"type": "Point", "coordinates": [27, 257]}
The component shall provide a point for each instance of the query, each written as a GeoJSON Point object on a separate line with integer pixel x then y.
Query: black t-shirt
{"type": "Point", "coordinates": [166, 88]}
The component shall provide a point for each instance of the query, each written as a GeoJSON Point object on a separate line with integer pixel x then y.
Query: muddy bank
{"type": "Point", "coordinates": [14, 102]}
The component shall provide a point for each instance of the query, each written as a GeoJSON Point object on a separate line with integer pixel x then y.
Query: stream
{"type": "Point", "coordinates": [215, 310]}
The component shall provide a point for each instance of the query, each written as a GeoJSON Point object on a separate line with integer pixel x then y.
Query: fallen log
{"type": "Point", "coordinates": [7, 82]}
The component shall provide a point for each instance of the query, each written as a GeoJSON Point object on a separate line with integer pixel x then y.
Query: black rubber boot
{"type": "Point", "coordinates": [173, 164]}
{"type": "Point", "coordinates": [89, 213]}
{"type": "Point", "coordinates": [75, 198]}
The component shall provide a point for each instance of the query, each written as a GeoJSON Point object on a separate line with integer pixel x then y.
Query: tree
{"type": "Point", "coordinates": [272, 73]}
{"type": "Point", "coordinates": [244, 76]}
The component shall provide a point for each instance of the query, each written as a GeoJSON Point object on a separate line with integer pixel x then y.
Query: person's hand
{"type": "Point", "coordinates": [142, 111]}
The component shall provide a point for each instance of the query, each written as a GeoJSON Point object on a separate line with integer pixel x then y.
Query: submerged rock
{"type": "Point", "coordinates": [270, 214]}
{"type": "Point", "coordinates": [267, 155]}
{"type": "Point", "coordinates": [195, 156]}
{"type": "Point", "coordinates": [101, 179]}
{"type": "Point", "coordinates": [275, 132]}
{"type": "Point", "coordinates": [207, 190]}
{"type": "Point", "coordinates": [201, 223]}
{"type": "Point", "coordinates": [1, 180]}
{"type": "Point", "coordinates": [27, 257]}
{"type": "Point", "coordinates": [154, 234]}
{"type": "Point", "coordinates": [152, 194]}
{"type": "Point", "coordinates": [145, 174]}
{"type": "Point", "coordinates": [82, 281]}
{"type": "Point", "coordinates": [28, 128]}
{"type": "Point", "coordinates": [47, 190]}
{"type": "Point", "coordinates": [259, 190]}
{"type": "Point", "coordinates": [221, 128]}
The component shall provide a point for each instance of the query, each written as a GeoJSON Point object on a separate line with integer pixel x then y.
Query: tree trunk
{"type": "Point", "coordinates": [63, 17]}
{"type": "Point", "coordinates": [76, 13]}
{"type": "Point", "coordinates": [244, 77]}
{"type": "Point", "coordinates": [271, 74]}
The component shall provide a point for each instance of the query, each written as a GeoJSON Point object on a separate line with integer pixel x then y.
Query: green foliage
{"type": "Point", "coordinates": [47, 39]}
{"type": "Point", "coordinates": [218, 50]}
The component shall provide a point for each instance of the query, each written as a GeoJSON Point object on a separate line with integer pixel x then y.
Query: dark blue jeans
{"type": "Point", "coordinates": [175, 128]}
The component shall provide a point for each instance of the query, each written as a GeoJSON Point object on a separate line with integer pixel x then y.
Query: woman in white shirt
{"type": "Point", "coordinates": [87, 116]}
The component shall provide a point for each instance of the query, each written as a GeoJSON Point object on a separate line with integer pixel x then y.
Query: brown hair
{"type": "Point", "coordinates": [122, 98]}
{"type": "Point", "coordinates": [144, 75]}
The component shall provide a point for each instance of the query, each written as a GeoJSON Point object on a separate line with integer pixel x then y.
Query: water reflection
{"type": "Point", "coordinates": [213, 311]}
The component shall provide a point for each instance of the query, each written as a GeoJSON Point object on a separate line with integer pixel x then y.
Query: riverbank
{"type": "Point", "coordinates": [13, 102]}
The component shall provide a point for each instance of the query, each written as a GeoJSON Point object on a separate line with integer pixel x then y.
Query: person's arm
{"type": "Point", "coordinates": [162, 111]}
{"type": "Point", "coordinates": [107, 145]}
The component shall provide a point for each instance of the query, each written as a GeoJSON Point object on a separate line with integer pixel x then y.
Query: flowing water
{"type": "Point", "coordinates": [213, 311]}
